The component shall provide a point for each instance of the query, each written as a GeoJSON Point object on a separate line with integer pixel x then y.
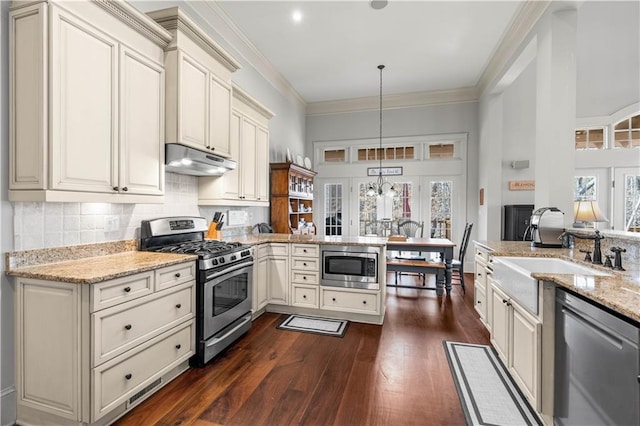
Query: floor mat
{"type": "Point", "coordinates": [326, 326]}
{"type": "Point", "coordinates": [487, 392]}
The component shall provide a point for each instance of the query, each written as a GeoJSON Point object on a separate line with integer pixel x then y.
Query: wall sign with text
{"type": "Point", "coordinates": [386, 171]}
{"type": "Point", "coordinates": [522, 185]}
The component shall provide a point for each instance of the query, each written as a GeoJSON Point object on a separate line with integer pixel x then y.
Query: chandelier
{"type": "Point", "coordinates": [377, 188]}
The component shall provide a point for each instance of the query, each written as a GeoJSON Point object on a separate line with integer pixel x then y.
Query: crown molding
{"type": "Point", "coordinates": [522, 24]}
{"type": "Point", "coordinates": [404, 100]}
{"type": "Point", "coordinates": [136, 20]}
{"type": "Point", "coordinates": [243, 96]}
{"type": "Point", "coordinates": [234, 36]}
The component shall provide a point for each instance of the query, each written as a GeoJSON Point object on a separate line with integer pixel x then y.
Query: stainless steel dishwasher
{"type": "Point", "coordinates": [597, 365]}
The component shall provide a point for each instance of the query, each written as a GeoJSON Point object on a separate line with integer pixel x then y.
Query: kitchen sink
{"type": "Point", "coordinates": [513, 274]}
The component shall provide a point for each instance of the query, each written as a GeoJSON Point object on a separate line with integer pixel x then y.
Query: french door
{"type": "Point", "coordinates": [627, 199]}
{"type": "Point", "coordinates": [444, 206]}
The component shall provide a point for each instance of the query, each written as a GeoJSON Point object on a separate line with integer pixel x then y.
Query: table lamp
{"type": "Point", "coordinates": [586, 213]}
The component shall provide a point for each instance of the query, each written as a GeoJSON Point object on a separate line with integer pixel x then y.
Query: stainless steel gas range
{"type": "Point", "coordinates": [223, 284]}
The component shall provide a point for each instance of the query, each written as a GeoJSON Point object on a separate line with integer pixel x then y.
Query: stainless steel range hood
{"type": "Point", "coordinates": [189, 161]}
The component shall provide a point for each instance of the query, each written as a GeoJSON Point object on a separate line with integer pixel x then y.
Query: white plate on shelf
{"type": "Point", "coordinates": [289, 158]}
{"type": "Point", "coordinates": [307, 162]}
{"type": "Point", "coordinates": [299, 161]}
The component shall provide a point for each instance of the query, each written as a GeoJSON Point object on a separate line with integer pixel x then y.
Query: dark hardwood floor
{"type": "Point", "coordinates": [395, 374]}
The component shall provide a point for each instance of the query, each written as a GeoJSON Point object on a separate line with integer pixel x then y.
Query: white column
{"type": "Point", "coordinates": [556, 112]}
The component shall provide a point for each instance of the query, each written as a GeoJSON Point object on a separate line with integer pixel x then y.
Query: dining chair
{"type": "Point", "coordinates": [410, 228]}
{"type": "Point", "coordinates": [372, 228]}
{"type": "Point", "coordinates": [457, 265]}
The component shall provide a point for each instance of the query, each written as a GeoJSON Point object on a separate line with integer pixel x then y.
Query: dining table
{"type": "Point", "coordinates": [441, 267]}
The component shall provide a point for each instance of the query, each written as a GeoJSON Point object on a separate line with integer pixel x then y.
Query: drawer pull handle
{"type": "Point", "coordinates": [479, 302]}
{"type": "Point", "coordinates": [304, 264]}
{"type": "Point", "coordinates": [334, 299]}
{"type": "Point", "coordinates": [128, 376]}
{"type": "Point", "coordinates": [179, 305]}
{"type": "Point", "coordinates": [115, 188]}
{"type": "Point", "coordinates": [127, 289]}
{"type": "Point", "coordinates": [364, 302]}
{"type": "Point", "coordinates": [178, 346]}
{"type": "Point", "coordinates": [304, 278]}
{"type": "Point", "coordinates": [177, 275]}
{"type": "Point", "coordinates": [127, 327]}
{"type": "Point", "coordinates": [304, 296]}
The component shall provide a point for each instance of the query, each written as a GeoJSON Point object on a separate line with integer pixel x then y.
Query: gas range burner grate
{"type": "Point", "coordinates": [202, 248]}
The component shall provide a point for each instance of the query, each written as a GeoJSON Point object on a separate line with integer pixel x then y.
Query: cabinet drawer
{"type": "Point", "coordinates": [305, 296]}
{"type": "Point", "coordinates": [119, 379]}
{"type": "Point", "coordinates": [175, 274]}
{"type": "Point", "coordinates": [305, 250]}
{"type": "Point", "coordinates": [305, 264]}
{"type": "Point", "coordinates": [113, 292]}
{"type": "Point", "coordinates": [482, 254]}
{"type": "Point", "coordinates": [480, 300]}
{"type": "Point", "coordinates": [122, 327]}
{"type": "Point", "coordinates": [349, 301]}
{"type": "Point", "coordinates": [273, 249]}
{"type": "Point", "coordinates": [305, 277]}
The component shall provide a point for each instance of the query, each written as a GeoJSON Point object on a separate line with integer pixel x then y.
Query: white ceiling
{"type": "Point", "coordinates": [333, 53]}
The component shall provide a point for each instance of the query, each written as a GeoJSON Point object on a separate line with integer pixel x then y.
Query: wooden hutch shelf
{"type": "Point", "coordinates": [292, 199]}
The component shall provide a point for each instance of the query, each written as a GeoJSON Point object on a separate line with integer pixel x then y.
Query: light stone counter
{"type": "Point", "coordinates": [310, 239]}
{"type": "Point", "coordinates": [89, 263]}
{"type": "Point", "coordinates": [619, 292]}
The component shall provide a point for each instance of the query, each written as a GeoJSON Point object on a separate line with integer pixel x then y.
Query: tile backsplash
{"type": "Point", "coordinates": [43, 225]}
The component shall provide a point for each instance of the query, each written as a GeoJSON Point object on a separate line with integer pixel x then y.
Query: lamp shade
{"type": "Point", "coordinates": [588, 211]}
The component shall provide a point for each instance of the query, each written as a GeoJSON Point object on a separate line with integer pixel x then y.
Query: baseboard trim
{"type": "Point", "coordinates": [8, 406]}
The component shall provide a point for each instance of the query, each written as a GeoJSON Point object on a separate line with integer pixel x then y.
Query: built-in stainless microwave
{"type": "Point", "coordinates": [350, 266]}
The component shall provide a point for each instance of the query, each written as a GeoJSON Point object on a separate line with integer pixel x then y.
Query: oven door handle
{"type": "Point", "coordinates": [230, 270]}
{"type": "Point", "coordinates": [217, 339]}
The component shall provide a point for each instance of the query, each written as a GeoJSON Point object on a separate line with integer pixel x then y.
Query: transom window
{"type": "Point", "coordinates": [441, 150]}
{"type": "Point", "coordinates": [389, 153]}
{"type": "Point", "coordinates": [626, 133]}
{"type": "Point", "coordinates": [590, 139]}
{"type": "Point", "coordinates": [335, 155]}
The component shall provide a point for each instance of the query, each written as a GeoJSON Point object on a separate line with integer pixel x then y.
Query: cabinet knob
{"type": "Point", "coordinates": [179, 305]}
{"type": "Point", "coordinates": [127, 327]}
{"type": "Point", "coordinates": [304, 250]}
{"type": "Point", "coordinates": [479, 302]}
{"type": "Point", "coordinates": [125, 189]}
{"type": "Point", "coordinates": [504, 300]}
{"type": "Point", "coordinates": [304, 264]}
{"type": "Point", "coordinates": [304, 296]}
{"type": "Point", "coordinates": [177, 275]}
{"type": "Point", "coordinates": [364, 302]}
{"type": "Point", "coordinates": [127, 289]}
{"type": "Point", "coordinates": [304, 278]}
{"type": "Point", "coordinates": [115, 188]}
{"type": "Point", "coordinates": [334, 299]}
{"type": "Point", "coordinates": [128, 376]}
{"type": "Point", "coordinates": [178, 346]}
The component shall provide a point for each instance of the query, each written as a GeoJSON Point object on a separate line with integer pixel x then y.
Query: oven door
{"type": "Point", "coordinates": [226, 297]}
{"type": "Point", "coordinates": [353, 269]}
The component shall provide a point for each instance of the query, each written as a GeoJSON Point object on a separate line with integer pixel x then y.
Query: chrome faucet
{"type": "Point", "coordinates": [596, 237]}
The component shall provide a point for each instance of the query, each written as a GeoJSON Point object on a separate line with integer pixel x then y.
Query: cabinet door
{"type": "Point", "coordinates": [193, 114]}
{"type": "Point", "coordinates": [499, 323]}
{"type": "Point", "coordinates": [84, 82]}
{"type": "Point", "coordinates": [141, 125]}
{"type": "Point", "coordinates": [278, 280]}
{"type": "Point", "coordinates": [219, 116]}
{"type": "Point", "coordinates": [260, 283]}
{"type": "Point", "coordinates": [231, 180]}
{"type": "Point", "coordinates": [248, 160]}
{"type": "Point", "coordinates": [525, 344]}
{"type": "Point", "coordinates": [262, 164]}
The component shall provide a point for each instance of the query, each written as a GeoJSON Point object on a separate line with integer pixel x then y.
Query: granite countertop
{"type": "Point", "coordinates": [619, 292]}
{"type": "Point", "coordinates": [89, 263]}
{"type": "Point", "coordinates": [309, 239]}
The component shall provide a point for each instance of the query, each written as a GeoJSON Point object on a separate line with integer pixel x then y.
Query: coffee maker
{"type": "Point", "coordinates": [546, 227]}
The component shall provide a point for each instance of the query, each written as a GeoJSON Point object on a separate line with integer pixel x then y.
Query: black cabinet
{"type": "Point", "coordinates": [516, 221]}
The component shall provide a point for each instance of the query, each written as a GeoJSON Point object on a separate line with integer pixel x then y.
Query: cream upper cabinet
{"type": "Point", "coordinates": [87, 103]}
{"type": "Point", "coordinates": [198, 104]}
{"type": "Point", "coordinates": [249, 183]}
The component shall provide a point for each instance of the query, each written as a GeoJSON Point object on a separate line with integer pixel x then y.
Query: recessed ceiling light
{"type": "Point", "coordinates": [379, 4]}
{"type": "Point", "coordinates": [296, 16]}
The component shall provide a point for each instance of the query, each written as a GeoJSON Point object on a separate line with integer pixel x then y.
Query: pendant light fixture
{"type": "Point", "coordinates": [377, 188]}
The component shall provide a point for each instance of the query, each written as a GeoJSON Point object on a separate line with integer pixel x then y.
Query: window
{"type": "Point", "coordinates": [442, 150]}
{"type": "Point", "coordinates": [335, 155]}
{"type": "Point", "coordinates": [584, 188]}
{"type": "Point", "coordinates": [441, 198]}
{"type": "Point", "coordinates": [589, 139]}
{"type": "Point", "coordinates": [626, 133]}
{"type": "Point", "coordinates": [632, 203]}
{"type": "Point", "coordinates": [389, 153]}
{"type": "Point", "coordinates": [379, 215]}
{"type": "Point", "coordinates": [333, 209]}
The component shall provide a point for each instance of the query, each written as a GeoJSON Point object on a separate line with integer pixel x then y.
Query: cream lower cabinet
{"type": "Point", "coordinates": [249, 183]}
{"type": "Point", "coordinates": [482, 273]}
{"type": "Point", "coordinates": [87, 353]}
{"type": "Point", "coordinates": [272, 275]}
{"type": "Point", "coordinates": [516, 336]}
{"type": "Point", "coordinates": [86, 127]}
{"type": "Point", "coordinates": [305, 275]}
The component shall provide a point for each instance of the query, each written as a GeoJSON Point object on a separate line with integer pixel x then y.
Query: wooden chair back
{"type": "Point", "coordinates": [410, 228]}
